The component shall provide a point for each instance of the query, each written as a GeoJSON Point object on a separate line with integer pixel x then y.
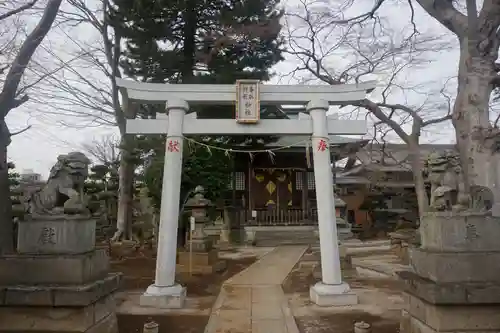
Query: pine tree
{"type": "Point", "coordinates": [194, 41]}
{"type": "Point", "coordinates": [201, 41]}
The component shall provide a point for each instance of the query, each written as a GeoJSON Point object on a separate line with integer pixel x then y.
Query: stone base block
{"type": "Point", "coordinates": [212, 231]}
{"type": "Point", "coordinates": [450, 293]}
{"type": "Point", "coordinates": [53, 269]}
{"type": "Point", "coordinates": [342, 251]}
{"type": "Point", "coordinates": [448, 267]}
{"type": "Point", "coordinates": [98, 317]}
{"type": "Point", "coordinates": [223, 241]}
{"type": "Point", "coordinates": [402, 253]}
{"type": "Point", "coordinates": [224, 246]}
{"type": "Point", "coordinates": [332, 295]}
{"type": "Point", "coordinates": [172, 297]}
{"type": "Point", "coordinates": [202, 262]}
{"type": "Point", "coordinates": [459, 232]}
{"type": "Point", "coordinates": [198, 258]}
{"type": "Point", "coordinates": [56, 235]}
{"type": "Point", "coordinates": [218, 266]}
{"type": "Point", "coordinates": [249, 237]}
{"type": "Point", "coordinates": [201, 242]}
{"type": "Point", "coordinates": [79, 295]}
{"type": "Point", "coordinates": [420, 316]}
{"type": "Point", "coordinates": [345, 264]}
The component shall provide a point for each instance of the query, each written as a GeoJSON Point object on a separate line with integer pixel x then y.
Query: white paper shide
{"type": "Point", "coordinates": [247, 101]}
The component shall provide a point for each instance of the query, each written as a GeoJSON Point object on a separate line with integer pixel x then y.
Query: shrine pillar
{"type": "Point", "coordinates": [331, 290]}
{"type": "Point", "coordinates": [165, 292]}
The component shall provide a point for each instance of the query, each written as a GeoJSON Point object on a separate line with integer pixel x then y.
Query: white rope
{"type": "Point", "coordinates": [232, 150]}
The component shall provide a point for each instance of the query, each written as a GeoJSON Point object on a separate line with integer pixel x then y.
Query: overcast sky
{"type": "Point", "coordinates": [50, 136]}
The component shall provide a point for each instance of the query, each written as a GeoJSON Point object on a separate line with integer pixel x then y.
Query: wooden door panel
{"type": "Point", "coordinates": [272, 188]}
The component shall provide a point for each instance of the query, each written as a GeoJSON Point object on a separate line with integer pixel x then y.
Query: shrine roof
{"type": "Point", "coordinates": [389, 157]}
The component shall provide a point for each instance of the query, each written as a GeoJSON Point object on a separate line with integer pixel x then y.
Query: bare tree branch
{"type": "Point", "coordinates": [17, 69]}
{"type": "Point", "coordinates": [337, 51]}
{"type": "Point", "coordinates": [17, 10]}
{"type": "Point", "coordinates": [105, 150]}
{"type": "Point", "coordinates": [21, 131]}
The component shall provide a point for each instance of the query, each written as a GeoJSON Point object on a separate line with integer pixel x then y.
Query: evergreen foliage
{"type": "Point", "coordinates": [14, 176]}
{"type": "Point", "coordinates": [194, 41]}
{"type": "Point", "coordinates": [102, 187]}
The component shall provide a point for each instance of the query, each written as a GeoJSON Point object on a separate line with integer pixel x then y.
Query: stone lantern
{"type": "Point", "coordinates": [198, 205]}
{"type": "Point", "coordinates": [340, 207]}
{"type": "Point", "coordinates": [204, 258]}
{"type": "Point", "coordinates": [343, 227]}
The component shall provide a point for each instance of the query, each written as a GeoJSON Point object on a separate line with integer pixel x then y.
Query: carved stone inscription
{"type": "Point", "coordinates": [471, 232]}
{"type": "Point", "coordinates": [47, 236]}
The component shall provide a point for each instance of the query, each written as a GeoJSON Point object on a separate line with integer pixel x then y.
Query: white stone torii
{"type": "Point", "coordinates": [165, 292]}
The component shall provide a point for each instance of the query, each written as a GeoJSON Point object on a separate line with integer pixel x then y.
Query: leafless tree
{"type": "Point", "coordinates": [333, 52]}
{"type": "Point", "coordinates": [477, 30]}
{"type": "Point", "coordinates": [86, 89]}
{"type": "Point", "coordinates": [106, 150]}
{"type": "Point", "coordinates": [12, 95]}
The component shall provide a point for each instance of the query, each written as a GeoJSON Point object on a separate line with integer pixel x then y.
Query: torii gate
{"type": "Point", "coordinates": [248, 95]}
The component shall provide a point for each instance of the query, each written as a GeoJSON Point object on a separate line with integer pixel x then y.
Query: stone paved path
{"type": "Point", "coordinates": [253, 301]}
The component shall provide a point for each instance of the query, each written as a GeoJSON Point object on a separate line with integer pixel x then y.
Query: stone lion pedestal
{"type": "Point", "coordinates": [58, 281]}
{"type": "Point", "coordinates": [454, 285]}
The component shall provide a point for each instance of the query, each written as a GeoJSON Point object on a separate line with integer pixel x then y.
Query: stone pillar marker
{"type": "Point", "coordinates": [58, 281]}
{"type": "Point", "coordinates": [165, 292]}
{"type": "Point", "coordinates": [331, 290]}
{"type": "Point", "coordinates": [204, 257]}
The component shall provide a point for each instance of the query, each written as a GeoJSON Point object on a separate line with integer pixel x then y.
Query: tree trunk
{"type": "Point", "coordinates": [471, 118]}
{"type": "Point", "coordinates": [190, 17]}
{"type": "Point", "coordinates": [417, 166]}
{"type": "Point", "coordinates": [6, 221]}
{"type": "Point", "coordinates": [124, 214]}
{"type": "Point", "coordinates": [9, 102]}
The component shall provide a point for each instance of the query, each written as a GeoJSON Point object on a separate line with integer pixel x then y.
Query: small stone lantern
{"type": "Point", "coordinates": [198, 206]}
{"type": "Point", "coordinates": [340, 207]}
{"type": "Point", "coordinates": [343, 227]}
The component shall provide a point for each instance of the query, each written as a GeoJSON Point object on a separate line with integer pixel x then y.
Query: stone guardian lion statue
{"type": "Point", "coordinates": [63, 192]}
{"type": "Point", "coordinates": [447, 188]}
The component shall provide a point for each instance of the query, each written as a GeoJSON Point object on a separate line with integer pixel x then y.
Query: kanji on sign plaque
{"type": "Point", "coordinates": [247, 104]}
{"type": "Point", "coordinates": [47, 236]}
{"type": "Point", "coordinates": [173, 146]}
{"type": "Point", "coordinates": [322, 146]}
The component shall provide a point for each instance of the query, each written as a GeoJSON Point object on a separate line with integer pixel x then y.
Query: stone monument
{"type": "Point", "coordinates": [204, 257]}
{"type": "Point", "coordinates": [58, 281]}
{"type": "Point", "coordinates": [454, 282]}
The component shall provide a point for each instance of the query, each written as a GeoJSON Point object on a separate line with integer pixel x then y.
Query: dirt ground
{"type": "Point", "coordinates": [167, 324]}
{"type": "Point", "coordinates": [380, 303]}
{"type": "Point", "coordinates": [138, 268]}
{"type": "Point", "coordinates": [344, 323]}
